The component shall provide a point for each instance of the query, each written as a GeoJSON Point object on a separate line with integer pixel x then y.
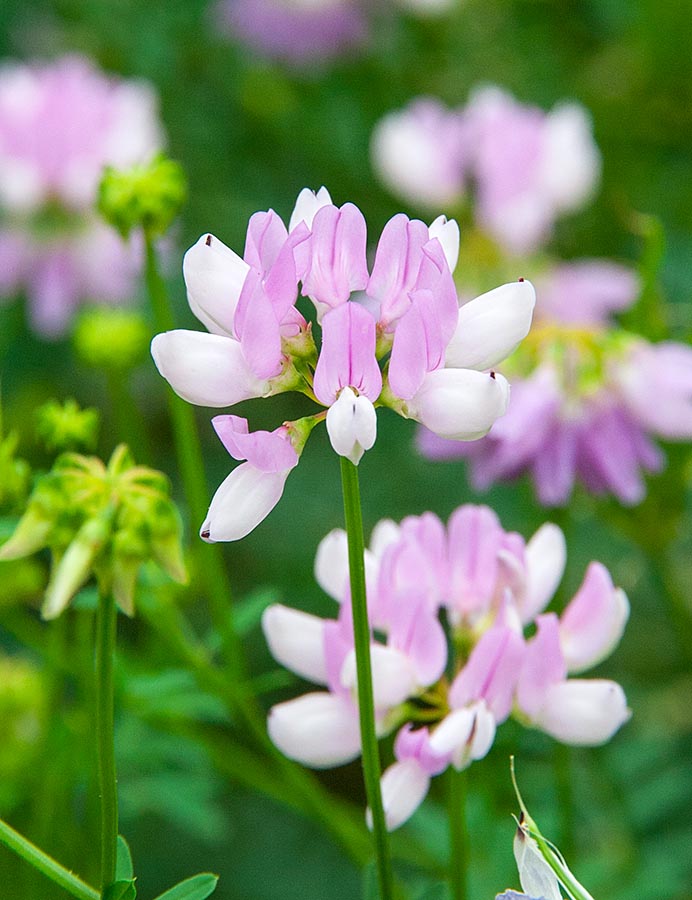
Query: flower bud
{"type": "Point", "coordinates": [126, 344]}
{"type": "Point", "coordinates": [64, 426]}
{"type": "Point", "coordinates": [146, 196]}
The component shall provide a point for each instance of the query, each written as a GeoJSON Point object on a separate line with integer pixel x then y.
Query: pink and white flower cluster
{"type": "Point", "coordinates": [60, 124]}
{"type": "Point", "coordinates": [527, 167]}
{"type": "Point", "coordinates": [437, 360]}
{"type": "Point", "coordinates": [491, 585]}
{"type": "Point", "coordinates": [587, 396]}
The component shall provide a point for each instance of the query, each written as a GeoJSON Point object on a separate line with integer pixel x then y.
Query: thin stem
{"type": "Point", "coordinates": [458, 838]}
{"type": "Point", "coordinates": [564, 789]}
{"type": "Point", "coordinates": [106, 623]}
{"type": "Point", "coordinates": [191, 464]}
{"type": "Point", "coordinates": [366, 705]}
{"type": "Point", "coordinates": [46, 864]}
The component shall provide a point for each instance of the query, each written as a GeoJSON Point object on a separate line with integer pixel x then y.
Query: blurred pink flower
{"type": "Point", "coordinates": [299, 32]}
{"type": "Point", "coordinates": [492, 585]}
{"type": "Point", "coordinates": [524, 167]}
{"type": "Point", "coordinates": [60, 124]}
{"type": "Point", "coordinates": [586, 397]}
{"type": "Point", "coordinates": [529, 167]}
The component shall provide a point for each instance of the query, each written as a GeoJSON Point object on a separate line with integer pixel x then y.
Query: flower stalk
{"type": "Point", "coordinates": [366, 706]}
{"type": "Point", "coordinates": [106, 626]}
{"type": "Point", "coordinates": [458, 838]}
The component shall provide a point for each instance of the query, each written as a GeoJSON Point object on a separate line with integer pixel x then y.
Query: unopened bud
{"type": "Point", "coordinates": [146, 196]}
{"type": "Point", "coordinates": [111, 339]}
{"type": "Point", "coordinates": [64, 426]}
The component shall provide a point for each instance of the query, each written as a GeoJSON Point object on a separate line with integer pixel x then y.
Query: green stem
{"type": "Point", "coordinates": [366, 705]}
{"type": "Point", "coordinates": [191, 464]}
{"type": "Point", "coordinates": [106, 623]}
{"type": "Point", "coordinates": [564, 789]}
{"type": "Point", "coordinates": [458, 838]}
{"type": "Point", "coordinates": [46, 864]}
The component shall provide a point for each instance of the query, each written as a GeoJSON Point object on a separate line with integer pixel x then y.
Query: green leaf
{"type": "Point", "coordinates": [199, 887]}
{"type": "Point", "coordinates": [124, 870]}
{"type": "Point", "coordinates": [121, 890]}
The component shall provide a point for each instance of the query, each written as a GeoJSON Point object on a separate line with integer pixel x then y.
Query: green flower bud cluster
{"type": "Point", "coordinates": [14, 474]}
{"type": "Point", "coordinates": [64, 426]}
{"type": "Point", "coordinates": [99, 520]}
{"type": "Point", "coordinates": [111, 339]}
{"type": "Point", "coordinates": [147, 196]}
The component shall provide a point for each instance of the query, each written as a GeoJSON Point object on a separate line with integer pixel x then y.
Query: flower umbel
{"type": "Point", "coordinates": [393, 336]}
{"type": "Point", "coordinates": [492, 585]}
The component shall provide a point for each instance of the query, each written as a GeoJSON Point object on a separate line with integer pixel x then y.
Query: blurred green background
{"type": "Point", "coordinates": [250, 134]}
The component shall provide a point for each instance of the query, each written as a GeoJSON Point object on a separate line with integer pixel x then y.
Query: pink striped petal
{"type": "Point", "coordinates": [347, 357]}
{"type": "Point", "coordinates": [338, 264]}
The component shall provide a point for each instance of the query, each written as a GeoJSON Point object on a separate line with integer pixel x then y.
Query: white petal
{"type": "Point", "coordinates": [460, 404]}
{"type": "Point", "coordinates": [404, 786]}
{"type": "Point", "coordinates": [393, 676]}
{"type": "Point", "coordinates": [307, 204]}
{"type": "Point", "coordinates": [319, 730]}
{"type": "Point", "coordinates": [214, 276]}
{"type": "Point", "coordinates": [483, 732]}
{"type": "Point", "coordinates": [296, 640]}
{"type": "Point", "coordinates": [331, 564]}
{"type": "Point", "coordinates": [490, 327]}
{"type": "Point", "coordinates": [535, 875]}
{"type": "Point", "coordinates": [447, 233]}
{"type": "Point", "coordinates": [386, 532]}
{"type": "Point", "coordinates": [351, 425]}
{"type": "Point", "coordinates": [241, 502]}
{"type": "Point", "coordinates": [545, 555]}
{"type": "Point", "coordinates": [205, 369]}
{"type": "Point", "coordinates": [453, 731]}
{"type": "Point", "coordinates": [583, 712]}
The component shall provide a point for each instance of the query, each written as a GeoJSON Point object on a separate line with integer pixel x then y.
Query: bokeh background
{"type": "Point", "coordinates": [250, 133]}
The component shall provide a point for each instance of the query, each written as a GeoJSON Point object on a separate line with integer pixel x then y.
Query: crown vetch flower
{"type": "Point", "coordinates": [587, 397]}
{"type": "Point", "coordinates": [527, 167]}
{"type": "Point", "coordinates": [60, 124]}
{"type": "Point", "coordinates": [385, 334]}
{"type": "Point", "coordinates": [492, 585]}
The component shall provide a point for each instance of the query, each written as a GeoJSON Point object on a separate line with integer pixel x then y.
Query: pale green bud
{"type": "Point", "coordinates": [76, 565]}
{"type": "Point", "coordinates": [111, 339]}
{"type": "Point", "coordinates": [147, 196]}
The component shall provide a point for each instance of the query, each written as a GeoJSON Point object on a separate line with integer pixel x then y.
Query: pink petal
{"type": "Point", "coordinates": [397, 261]}
{"type": "Point", "coordinates": [474, 538]}
{"type": "Point", "coordinates": [266, 235]}
{"type": "Point", "coordinates": [337, 265]}
{"type": "Point", "coordinates": [268, 451]}
{"type": "Point", "coordinates": [257, 328]}
{"type": "Point", "coordinates": [594, 620]}
{"type": "Point", "coordinates": [347, 357]}
{"type": "Point", "coordinates": [543, 665]}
